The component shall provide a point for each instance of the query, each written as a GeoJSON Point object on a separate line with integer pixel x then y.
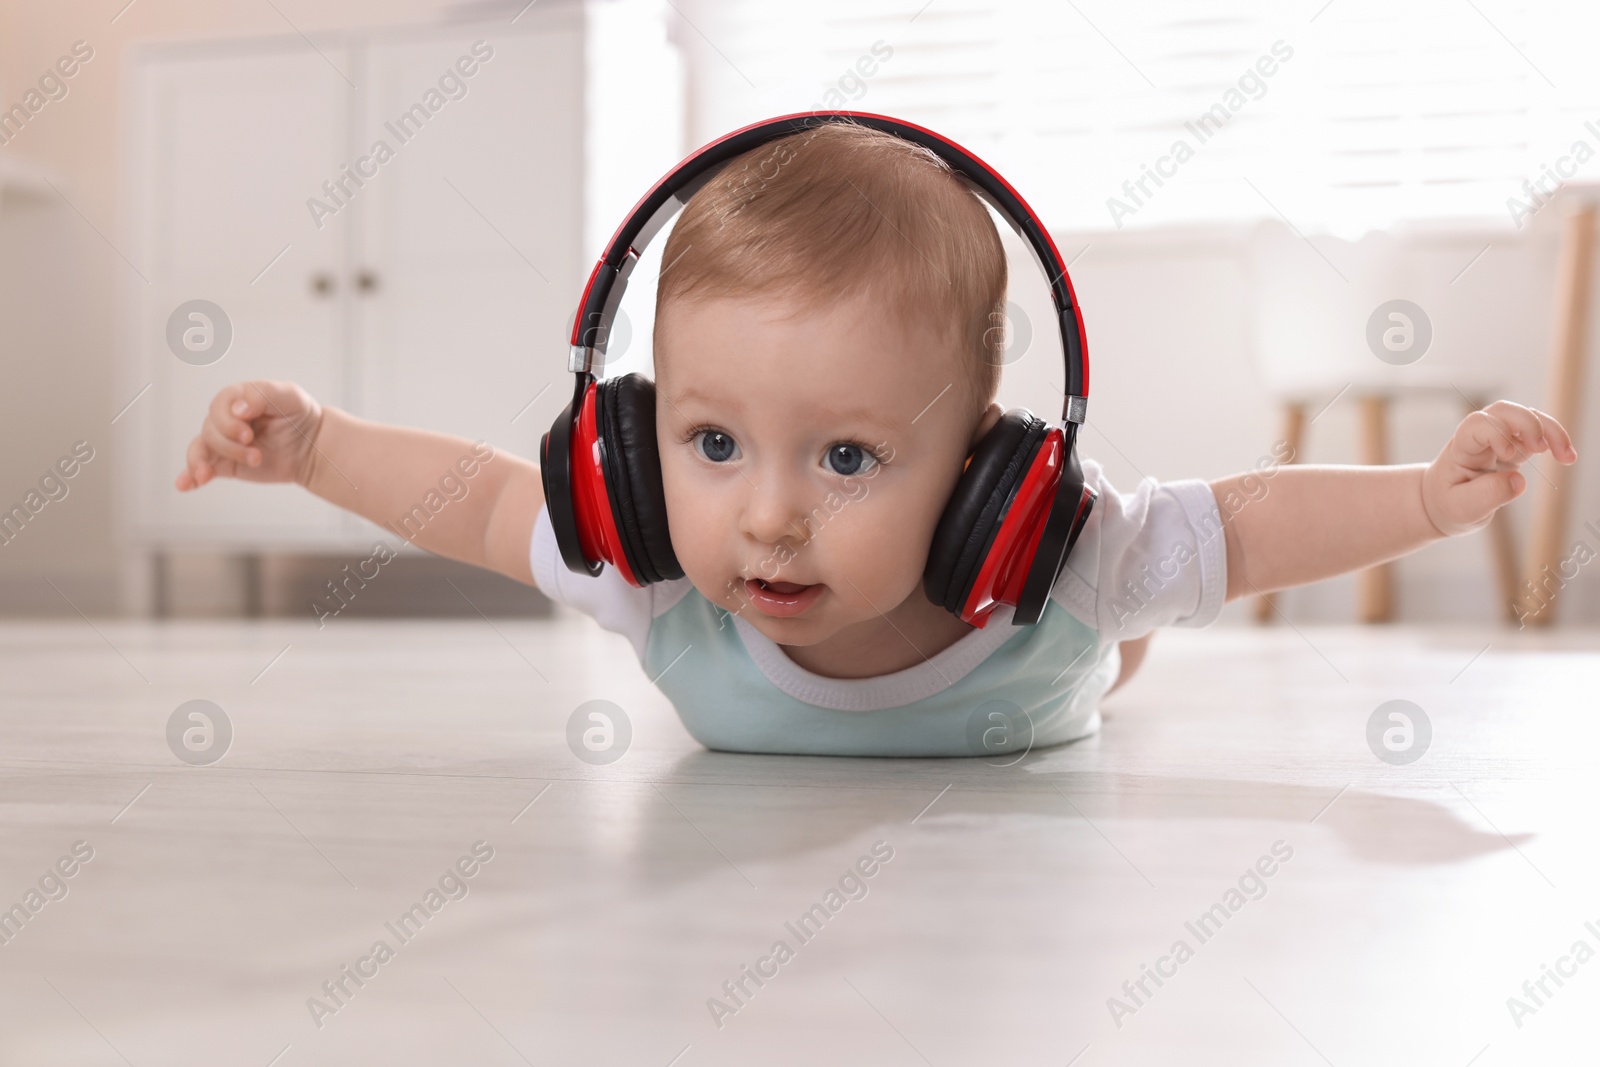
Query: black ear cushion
{"type": "Point", "coordinates": [973, 513]}
{"type": "Point", "coordinates": [625, 413]}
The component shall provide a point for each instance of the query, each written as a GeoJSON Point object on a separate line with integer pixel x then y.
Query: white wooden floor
{"type": "Point", "coordinates": [370, 756]}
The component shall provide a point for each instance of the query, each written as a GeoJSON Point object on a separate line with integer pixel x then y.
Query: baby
{"type": "Point", "coordinates": [825, 361]}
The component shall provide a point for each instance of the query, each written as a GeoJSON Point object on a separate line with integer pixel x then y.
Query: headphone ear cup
{"type": "Point", "coordinates": [625, 412]}
{"type": "Point", "coordinates": [1069, 514]}
{"type": "Point", "coordinates": [555, 471]}
{"type": "Point", "coordinates": [971, 518]}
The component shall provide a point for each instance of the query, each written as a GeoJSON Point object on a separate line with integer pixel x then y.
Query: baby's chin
{"type": "Point", "coordinates": [797, 632]}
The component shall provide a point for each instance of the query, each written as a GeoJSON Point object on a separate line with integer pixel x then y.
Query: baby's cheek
{"type": "Point", "coordinates": [692, 540]}
{"type": "Point", "coordinates": [711, 577]}
{"type": "Point", "coordinates": [882, 558]}
{"type": "Point", "coordinates": [696, 541]}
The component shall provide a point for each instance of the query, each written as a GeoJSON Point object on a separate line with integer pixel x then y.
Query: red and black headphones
{"type": "Point", "coordinates": [1016, 511]}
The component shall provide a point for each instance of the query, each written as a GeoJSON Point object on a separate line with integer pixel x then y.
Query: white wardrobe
{"type": "Point", "coordinates": [436, 291]}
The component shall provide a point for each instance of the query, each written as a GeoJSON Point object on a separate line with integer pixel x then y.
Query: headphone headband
{"type": "Point", "coordinates": [609, 279]}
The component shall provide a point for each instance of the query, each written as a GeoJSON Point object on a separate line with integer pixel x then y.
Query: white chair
{"type": "Point", "coordinates": [1326, 328]}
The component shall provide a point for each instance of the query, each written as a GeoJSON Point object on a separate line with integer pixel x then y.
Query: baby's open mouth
{"type": "Point", "coordinates": [781, 587]}
{"type": "Point", "coordinates": [781, 599]}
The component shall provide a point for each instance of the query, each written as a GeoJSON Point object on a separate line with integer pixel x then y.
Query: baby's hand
{"type": "Point", "coordinates": [257, 431]}
{"type": "Point", "coordinates": [1476, 473]}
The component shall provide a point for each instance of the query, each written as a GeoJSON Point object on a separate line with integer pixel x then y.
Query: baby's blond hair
{"type": "Point", "coordinates": [842, 210]}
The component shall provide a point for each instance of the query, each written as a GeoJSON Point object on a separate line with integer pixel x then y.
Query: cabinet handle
{"type": "Point", "coordinates": [322, 283]}
{"type": "Point", "coordinates": [366, 281]}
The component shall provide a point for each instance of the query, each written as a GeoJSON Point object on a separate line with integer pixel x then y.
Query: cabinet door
{"type": "Point", "coordinates": [471, 231]}
{"type": "Point", "coordinates": [228, 143]}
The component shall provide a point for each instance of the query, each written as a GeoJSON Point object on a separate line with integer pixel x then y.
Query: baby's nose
{"type": "Point", "coordinates": [777, 513]}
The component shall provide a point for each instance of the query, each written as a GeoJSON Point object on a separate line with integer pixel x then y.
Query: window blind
{"type": "Point", "coordinates": [1338, 116]}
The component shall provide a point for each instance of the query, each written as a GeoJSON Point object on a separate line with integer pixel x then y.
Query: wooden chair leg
{"type": "Point", "coordinates": [1505, 562]}
{"type": "Point", "coordinates": [249, 565]}
{"type": "Point", "coordinates": [1376, 584]}
{"type": "Point", "coordinates": [1566, 392]}
{"type": "Point", "coordinates": [1294, 431]}
{"type": "Point", "coordinates": [1503, 544]}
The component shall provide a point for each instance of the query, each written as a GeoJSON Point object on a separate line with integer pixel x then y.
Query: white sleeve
{"type": "Point", "coordinates": [1154, 557]}
{"type": "Point", "coordinates": [608, 598]}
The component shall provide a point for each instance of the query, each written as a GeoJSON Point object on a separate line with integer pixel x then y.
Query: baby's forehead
{"type": "Point", "coordinates": [806, 398]}
{"type": "Point", "coordinates": [844, 354]}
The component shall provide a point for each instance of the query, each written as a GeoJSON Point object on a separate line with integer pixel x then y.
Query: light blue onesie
{"type": "Point", "coordinates": [1151, 558]}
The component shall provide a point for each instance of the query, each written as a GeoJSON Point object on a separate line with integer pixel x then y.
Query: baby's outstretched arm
{"type": "Point", "coordinates": [1315, 522]}
{"type": "Point", "coordinates": [267, 431]}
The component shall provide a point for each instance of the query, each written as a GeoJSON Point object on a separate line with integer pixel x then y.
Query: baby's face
{"type": "Point", "coordinates": [809, 449]}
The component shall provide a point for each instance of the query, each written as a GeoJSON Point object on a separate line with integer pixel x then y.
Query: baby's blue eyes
{"type": "Point", "coordinates": [716, 446]}
{"type": "Point", "coordinates": [844, 458]}
{"type": "Point", "coordinates": [848, 458]}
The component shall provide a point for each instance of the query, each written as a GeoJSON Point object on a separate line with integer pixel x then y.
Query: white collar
{"type": "Point", "coordinates": [917, 682]}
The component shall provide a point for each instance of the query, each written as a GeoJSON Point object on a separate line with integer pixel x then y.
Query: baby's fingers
{"type": "Point", "coordinates": [1532, 431]}
{"type": "Point", "coordinates": [1482, 432]}
{"type": "Point", "coordinates": [231, 413]}
{"type": "Point", "coordinates": [248, 401]}
{"type": "Point", "coordinates": [198, 469]}
{"type": "Point", "coordinates": [220, 446]}
{"type": "Point", "coordinates": [202, 466]}
{"type": "Point", "coordinates": [1556, 436]}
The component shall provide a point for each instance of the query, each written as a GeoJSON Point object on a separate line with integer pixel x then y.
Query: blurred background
{"type": "Point", "coordinates": [1337, 225]}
